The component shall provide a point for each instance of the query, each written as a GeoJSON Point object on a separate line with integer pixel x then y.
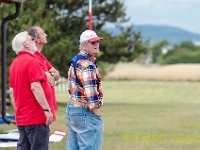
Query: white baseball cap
{"type": "Point", "coordinates": [90, 36]}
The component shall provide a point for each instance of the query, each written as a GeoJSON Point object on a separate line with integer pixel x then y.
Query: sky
{"type": "Point", "coordinates": [178, 13]}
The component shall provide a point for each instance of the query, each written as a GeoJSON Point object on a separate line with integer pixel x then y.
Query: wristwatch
{"type": "Point", "coordinates": [47, 110]}
{"type": "Point", "coordinates": [52, 74]}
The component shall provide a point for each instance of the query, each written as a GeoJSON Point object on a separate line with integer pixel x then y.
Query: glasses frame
{"type": "Point", "coordinates": [94, 43]}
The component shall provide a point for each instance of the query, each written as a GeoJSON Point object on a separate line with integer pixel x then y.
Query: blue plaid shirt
{"type": "Point", "coordinates": [90, 90]}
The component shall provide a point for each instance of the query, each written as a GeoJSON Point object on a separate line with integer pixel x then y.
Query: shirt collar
{"type": "Point", "coordinates": [37, 53]}
{"type": "Point", "coordinates": [25, 52]}
{"type": "Point", "coordinates": [87, 55]}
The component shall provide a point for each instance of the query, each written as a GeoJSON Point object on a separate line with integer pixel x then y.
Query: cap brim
{"type": "Point", "coordinates": [95, 39]}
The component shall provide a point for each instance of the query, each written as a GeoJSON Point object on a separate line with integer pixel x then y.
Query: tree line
{"type": "Point", "coordinates": [65, 20]}
{"type": "Point", "coordinates": [185, 52]}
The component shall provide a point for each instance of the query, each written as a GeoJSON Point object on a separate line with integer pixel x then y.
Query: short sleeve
{"type": "Point", "coordinates": [35, 72]}
{"type": "Point", "coordinates": [49, 65]}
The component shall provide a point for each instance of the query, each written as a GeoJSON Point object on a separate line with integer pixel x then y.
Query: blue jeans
{"type": "Point", "coordinates": [85, 129]}
{"type": "Point", "coordinates": [33, 137]}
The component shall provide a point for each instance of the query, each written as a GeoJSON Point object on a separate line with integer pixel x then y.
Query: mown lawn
{"type": "Point", "coordinates": [144, 115]}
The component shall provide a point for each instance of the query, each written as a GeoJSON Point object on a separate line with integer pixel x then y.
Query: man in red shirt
{"type": "Point", "coordinates": [34, 108]}
{"type": "Point", "coordinates": [39, 37]}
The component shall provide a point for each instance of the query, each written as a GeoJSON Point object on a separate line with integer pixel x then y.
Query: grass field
{"type": "Point", "coordinates": [144, 115]}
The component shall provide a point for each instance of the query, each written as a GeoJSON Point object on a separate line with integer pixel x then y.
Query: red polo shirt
{"type": "Point", "coordinates": [46, 66]}
{"type": "Point", "coordinates": [25, 70]}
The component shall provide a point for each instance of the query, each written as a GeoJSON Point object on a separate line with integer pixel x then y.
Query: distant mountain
{"type": "Point", "coordinates": [157, 33]}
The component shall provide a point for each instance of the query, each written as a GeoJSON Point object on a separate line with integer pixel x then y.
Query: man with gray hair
{"type": "Point", "coordinates": [83, 115]}
{"type": "Point", "coordinates": [40, 38]}
{"type": "Point", "coordinates": [32, 95]}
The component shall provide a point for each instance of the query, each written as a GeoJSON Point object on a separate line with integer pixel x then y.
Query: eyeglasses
{"type": "Point", "coordinates": [95, 42]}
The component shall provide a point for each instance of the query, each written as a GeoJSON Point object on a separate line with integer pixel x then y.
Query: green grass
{"type": "Point", "coordinates": [144, 115]}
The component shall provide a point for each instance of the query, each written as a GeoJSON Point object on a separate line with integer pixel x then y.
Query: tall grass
{"type": "Point", "coordinates": [144, 115]}
{"type": "Point", "coordinates": [174, 72]}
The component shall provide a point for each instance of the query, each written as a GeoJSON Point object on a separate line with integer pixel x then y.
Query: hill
{"type": "Point", "coordinates": [157, 33]}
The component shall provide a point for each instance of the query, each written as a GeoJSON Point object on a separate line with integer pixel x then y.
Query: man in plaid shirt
{"type": "Point", "coordinates": [83, 115]}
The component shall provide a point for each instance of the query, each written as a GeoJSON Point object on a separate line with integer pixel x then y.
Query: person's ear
{"type": "Point", "coordinates": [36, 40]}
{"type": "Point", "coordinates": [84, 46]}
{"type": "Point", "coordinates": [26, 44]}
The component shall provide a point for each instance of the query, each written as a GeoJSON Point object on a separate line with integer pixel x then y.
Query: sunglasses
{"type": "Point", "coordinates": [95, 42]}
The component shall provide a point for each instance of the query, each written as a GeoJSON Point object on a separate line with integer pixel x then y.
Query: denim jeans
{"type": "Point", "coordinates": [85, 129]}
{"type": "Point", "coordinates": [33, 137]}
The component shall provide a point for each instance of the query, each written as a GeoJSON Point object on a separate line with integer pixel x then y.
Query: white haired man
{"type": "Point", "coordinates": [32, 95]}
{"type": "Point", "coordinates": [83, 115]}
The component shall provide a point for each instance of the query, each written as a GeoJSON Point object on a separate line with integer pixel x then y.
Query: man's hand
{"type": "Point", "coordinates": [41, 99]}
{"type": "Point", "coordinates": [97, 111]}
{"type": "Point", "coordinates": [50, 78]}
{"type": "Point", "coordinates": [49, 117]}
{"type": "Point", "coordinates": [55, 72]}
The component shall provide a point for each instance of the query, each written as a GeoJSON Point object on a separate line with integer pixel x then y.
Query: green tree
{"type": "Point", "coordinates": [156, 50]}
{"type": "Point", "coordinates": [65, 20]}
{"type": "Point", "coordinates": [185, 52]}
{"type": "Point", "coordinates": [188, 45]}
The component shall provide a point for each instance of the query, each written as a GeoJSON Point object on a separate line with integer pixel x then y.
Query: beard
{"type": "Point", "coordinates": [34, 48]}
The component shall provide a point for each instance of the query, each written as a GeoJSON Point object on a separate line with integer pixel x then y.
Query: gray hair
{"type": "Point", "coordinates": [33, 32]}
{"type": "Point", "coordinates": [82, 46]}
{"type": "Point", "coordinates": [18, 41]}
